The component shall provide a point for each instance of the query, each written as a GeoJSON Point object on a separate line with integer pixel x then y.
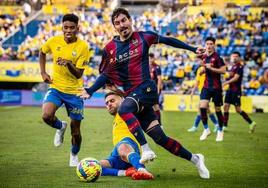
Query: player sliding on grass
{"type": "Point", "coordinates": [70, 58]}
{"type": "Point", "coordinates": [124, 159]}
{"type": "Point", "coordinates": [150, 124]}
{"type": "Point", "coordinates": [125, 63]}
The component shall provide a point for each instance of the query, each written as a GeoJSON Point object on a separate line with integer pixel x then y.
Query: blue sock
{"type": "Point", "coordinates": [197, 120]}
{"type": "Point", "coordinates": [134, 158]}
{"type": "Point", "coordinates": [75, 149]}
{"type": "Point", "coordinates": [213, 119]}
{"type": "Point", "coordinates": [205, 126]}
{"type": "Point", "coordinates": [109, 171]}
{"type": "Point", "coordinates": [57, 124]}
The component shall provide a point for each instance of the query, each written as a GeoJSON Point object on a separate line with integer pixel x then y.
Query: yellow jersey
{"type": "Point", "coordinates": [77, 52]}
{"type": "Point", "coordinates": [120, 131]}
{"type": "Point", "coordinates": [200, 78]}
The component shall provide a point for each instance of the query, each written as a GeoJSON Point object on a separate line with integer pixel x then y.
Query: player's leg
{"type": "Point", "coordinates": [204, 103]}
{"type": "Point", "coordinates": [226, 107]}
{"type": "Point", "coordinates": [252, 124]}
{"type": "Point", "coordinates": [75, 107]}
{"type": "Point", "coordinates": [156, 108]}
{"type": "Point", "coordinates": [108, 170]}
{"type": "Point", "coordinates": [52, 102]}
{"type": "Point", "coordinates": [129, 152]}
{"type": "Point", "coordinates": [213, 119]}
{"type": "Point", "coordinates": [217, 99]}
{"type": "Point", "coordinates": [196, 122]}
{"type": "Point", "coordinates": [126, 111]}
{"type": "Point", "coordinates": [154, 130]}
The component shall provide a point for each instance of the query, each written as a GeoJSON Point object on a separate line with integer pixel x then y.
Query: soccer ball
{"type": "Point", "coordinates": [88, 169]}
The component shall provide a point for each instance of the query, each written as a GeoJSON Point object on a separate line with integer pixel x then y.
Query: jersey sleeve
{"type": "Point", "coordinates": [221, 62]}
{"type": "Point", "coordinates": [46, 47]}
{"type": "Point", "coordinates": [239, 71]}
{"type": "Point", "coordinates": [83, 59]}
{"type": "Point", "coordinates": [151, 37]}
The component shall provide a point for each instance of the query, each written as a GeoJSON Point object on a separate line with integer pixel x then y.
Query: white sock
{"type": "Point", "coordinates": [142, 170]}
{"type": "Point", "coordinates": [121, 173]}
{"type": "Point", "coordinates": [145, 147]}
{"type": "Point", "coordinates": [194, 158]}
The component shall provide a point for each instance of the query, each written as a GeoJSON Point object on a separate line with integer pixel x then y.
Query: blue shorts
{"type": "Point", "coordinates": [115, 160]}
{"type": "Point", "coordinates": [232, 97]}
{"type": "Point", "coordinates": [216, 95]}
{"type": "Point", "coordinates": [145, 94]}
{"type": "Point", "coordinates": [74, 104]}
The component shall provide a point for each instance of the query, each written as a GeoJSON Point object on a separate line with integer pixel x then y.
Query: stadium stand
{"type": "Point", "coordinates": [237, 29]}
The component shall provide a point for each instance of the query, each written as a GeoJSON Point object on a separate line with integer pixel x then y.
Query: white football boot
{"type": "Point", "coordinates": [59, 136]}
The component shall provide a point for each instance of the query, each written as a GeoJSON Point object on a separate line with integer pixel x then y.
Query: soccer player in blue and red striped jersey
{"type": "Point", "coordinates": [125, 63]}
{"type": "Point", "coordinates": [155, 72]}
{"type": "Point", "coordinates": [233, 94]}
{"type": "Point", "coordinates": [214, 67]}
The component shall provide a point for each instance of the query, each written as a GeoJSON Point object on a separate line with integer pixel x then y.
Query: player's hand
{"type": "Point", "coordinates": [200, 51]}
{"type": "Point", "coordinates": [46, 78]}
{"type": "Point", "coordinates": [83, 94]}
{"type": "Point", "coordinates": [208, 66]}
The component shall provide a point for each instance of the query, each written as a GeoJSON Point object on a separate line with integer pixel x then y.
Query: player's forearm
{"type": "Point", "coordinates": [100, 82]}
{"type": "Point", "coordinates": [221, 70]}
{"type": "Point", "coordinates": [42, 62]}
{"type": "Point", "coordinates": [234, 79]}
{"type": "Point", "coordinates": [75, 71]}
{"type": "Point", "coordinates": [176, 43]}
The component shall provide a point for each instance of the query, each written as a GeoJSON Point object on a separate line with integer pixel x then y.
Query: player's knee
{"type": "Point", "coordinates": [124, 150]}
{"type": "Point", "coordinates": [48, 118]}
{"type": "Point", "coordinates": [158, 135]}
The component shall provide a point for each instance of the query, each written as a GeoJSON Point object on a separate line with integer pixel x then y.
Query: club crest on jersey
{"type": "Point", "coordinates": [58, 48]}
{"type": "Point", "coordinates": [148, 89]}
{"type": "Point", "coordinates": [135, 42]}
{"type": "Point", "coordinates": [74, 53]}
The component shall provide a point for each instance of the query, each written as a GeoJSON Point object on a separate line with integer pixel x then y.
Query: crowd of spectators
{"type": "Point", "coordinates": [242, 31]}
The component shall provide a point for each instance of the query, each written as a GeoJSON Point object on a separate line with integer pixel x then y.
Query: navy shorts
{"type": "Point", "coordinates": [74, 104]}
{"type": "Point", "coordinates": [232, 97]}
{"type": "Point", "coordinates": [215, 95]}
{"type": "Point", "coordinates": [145, 94]}
{"type": "Point", "coordinates": [115, 159]}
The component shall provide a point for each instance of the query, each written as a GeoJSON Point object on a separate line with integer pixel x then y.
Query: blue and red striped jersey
{"type": "Point", "coordinates": [126, 63]}
{"type": "Point", "coordinates": [212, 79]}
{"type": "Point", "coordinates": [236, 69]}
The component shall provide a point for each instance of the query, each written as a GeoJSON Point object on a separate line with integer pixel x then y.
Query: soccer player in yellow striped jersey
{"type": "Point", "coordinates": [125, 157]}
{"type": "Point", "coordinates": [70, 58]}
{"type": "Point", "coordinates": [199, 83]}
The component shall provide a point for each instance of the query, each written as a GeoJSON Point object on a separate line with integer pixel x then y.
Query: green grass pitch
{"type": "Point", "coordinates": [29, 159]}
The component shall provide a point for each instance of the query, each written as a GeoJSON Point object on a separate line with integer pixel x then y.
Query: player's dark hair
{"type": "Point", "coordinates": [211, 39]}
{"type": "Point", "coordinates": [71, 18]}
{"type": "Point", "coordinates": [113, 93]}
{"type": "Point", "coordinates": [151, 55]}
{"type": "Point", "coordinates": [237, 53]}
{"type": "Point", "coordinates": [118, 11]}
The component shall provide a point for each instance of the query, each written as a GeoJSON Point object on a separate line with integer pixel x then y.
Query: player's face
{"type": "Point", "coordinates": [210, 46]}
{"type": "Point", "coordinates": [112, 103]}
{"type": "Point", "coordinates": [151, 59]}
{"type": "Point", "coordinates": [235, 58]}
{"type": "Point", "coordinates": [123, 25]}
{"type": "Point", "coordinates": [70, 30]}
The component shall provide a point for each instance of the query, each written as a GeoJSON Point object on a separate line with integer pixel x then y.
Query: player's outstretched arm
{"type": "Point", "coordinates": [179, 44]}
{"type": "Point", "coordinates": [88, 92]}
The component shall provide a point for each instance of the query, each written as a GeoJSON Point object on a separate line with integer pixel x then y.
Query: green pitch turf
{"type": "Point", "coordinates": [29, 159]}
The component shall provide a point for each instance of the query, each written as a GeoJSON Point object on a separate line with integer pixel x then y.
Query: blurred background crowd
{"type": "Point", "coordinates": [238, 28]}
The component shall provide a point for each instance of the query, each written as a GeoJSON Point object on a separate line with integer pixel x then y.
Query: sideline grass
{"type": "Point", "coordinates": [29, 159]}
